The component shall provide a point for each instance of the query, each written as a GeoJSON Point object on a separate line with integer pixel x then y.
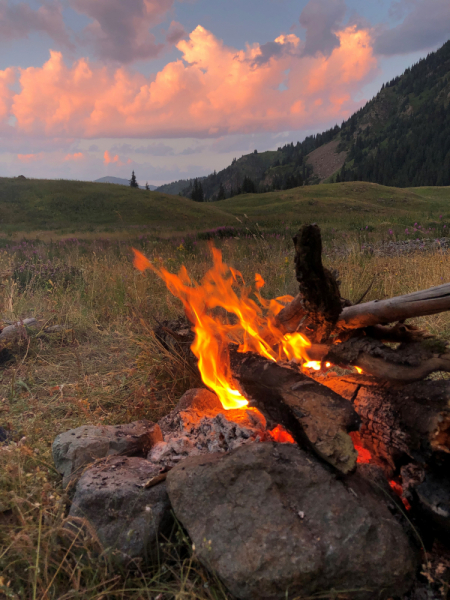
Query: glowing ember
{"type": "Point", "coordinates": [279, 434]}
{"type": "Point", "coordinates": [359, 370]}
{"type": "Point", "coordinates": [255, 331]}
{"type": "Point", "coordinates": [364, 456]}
{"type": "Point", "coordinates": [312, 364]}
{"type": "Point", "coordinates": [397, 489]}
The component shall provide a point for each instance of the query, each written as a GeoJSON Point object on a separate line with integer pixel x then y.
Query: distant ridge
{"type": "Point", "coordinates": [120, 181]}
{"type": "Point", "coordinates": [400, 138]}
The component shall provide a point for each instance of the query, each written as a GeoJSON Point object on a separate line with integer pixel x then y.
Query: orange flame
{"type": "Point", "coordinates": [255, 328]}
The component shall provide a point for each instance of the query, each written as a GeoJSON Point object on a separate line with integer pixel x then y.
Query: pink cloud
{"type": "Point", "coordinates": [28, 158]}
{"type": "Point", "coordinates": [74, 157]}
{"type": "Point", "coordinates": [214, 90]}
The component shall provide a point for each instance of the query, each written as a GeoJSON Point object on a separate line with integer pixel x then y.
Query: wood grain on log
{"type": "Point", "coordinates": [411, 421]}
{"type": "Point", "coordinates": [418, 304]}
{"type": "Point", "coordinates": [315, 416]}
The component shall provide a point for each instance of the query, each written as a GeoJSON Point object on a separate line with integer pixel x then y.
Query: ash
{"type": "Point", "coordinates": [199, 425]}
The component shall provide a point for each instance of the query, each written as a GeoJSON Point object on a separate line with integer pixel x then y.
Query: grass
{"type": "Point", "coordinates": [105, 368]}
{"type": "Point", "coordinates": [51, 209]}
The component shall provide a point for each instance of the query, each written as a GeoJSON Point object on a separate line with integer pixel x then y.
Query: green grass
{"type": "Point", "coordinates": [77, 206]}
{"type": "Point", "coordinates": [38, 207]}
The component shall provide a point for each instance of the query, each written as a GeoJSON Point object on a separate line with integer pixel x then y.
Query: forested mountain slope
{"type": "Point", "coordinates": [399, 138]}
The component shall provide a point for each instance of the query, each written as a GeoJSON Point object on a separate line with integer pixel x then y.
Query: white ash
{"type": "Point", "coordinates": [191, 433]}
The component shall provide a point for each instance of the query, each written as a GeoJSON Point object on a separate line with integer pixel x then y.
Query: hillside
{"type": "Point", "coordinates": [75, 206]}
{"type": "Point", "coordinates": [400, 138]}
{"type": "Point", "coordinates": [95, 209]}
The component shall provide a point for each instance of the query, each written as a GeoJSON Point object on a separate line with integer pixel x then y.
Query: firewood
{"type": "Point", "coordinates": [317, 418]}
{"type": "Point", "coordinates": [399, 423]}
{"type": "Point", "coordinates": [407, 363]}
{"type": "Point", "coordinates": [318, 286]}
{"type": "Point", "coordinates": [417, 304]}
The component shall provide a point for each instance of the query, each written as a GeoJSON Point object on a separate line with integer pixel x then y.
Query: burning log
{"type": "Point", "coordinates": [317, 418]}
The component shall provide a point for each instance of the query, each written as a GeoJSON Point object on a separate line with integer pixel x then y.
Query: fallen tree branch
{"type": "Point", "coordinates": [378, 312]}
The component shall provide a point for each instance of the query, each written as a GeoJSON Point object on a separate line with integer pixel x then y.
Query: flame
{"type": "Point", "coordinates": [253, 329]}
{"type": "Point", "coordinates": [359, 370]}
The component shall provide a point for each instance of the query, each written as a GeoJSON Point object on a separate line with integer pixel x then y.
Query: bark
{"type": "Point", "coordinates": [316, 417]}
{"type": "Point", "coordinates": [318, 286]}
{"type": "Point", "coordinates": [400, 424]}
{"type": "Point", "coordinates": [409, 362]}
{"type": "Point", "coordinates": [418, 304]}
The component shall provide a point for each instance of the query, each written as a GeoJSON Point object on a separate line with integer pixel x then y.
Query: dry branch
{"type": "Point", "coordinates": [418, 304]}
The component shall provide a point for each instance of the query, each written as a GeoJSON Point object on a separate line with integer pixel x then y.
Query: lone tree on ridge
{"type": "Point", "coordinates": [133, 182]}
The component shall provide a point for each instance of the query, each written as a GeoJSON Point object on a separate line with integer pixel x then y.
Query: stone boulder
{"type": "Point", "coordinates": [77, 448]}
{"type": "Point", "coordinates": [275, 523]}
{"type": "Point", "coordinates": [127, 518]}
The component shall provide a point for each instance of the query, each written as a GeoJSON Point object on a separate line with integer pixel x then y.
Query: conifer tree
{"type": "Point", "coordinates": [221, 194]}
{"type": "Point", "coordinates": [133, 182]}
{"type": "Point", "coordinates": [197, 191]}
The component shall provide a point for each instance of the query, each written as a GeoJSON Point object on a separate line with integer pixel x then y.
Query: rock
{"type": "Point", "coordinates": [273, 522]}
{"type": "Point", "coordinates": [127, 518]}
{"type": "Point", "coordinates": [11, 330]}
{"type": "Point", "coordinates": [5, 436]}
{"type": "Point", "coordinates": [54, 329]}
{"type": "Point", "coordinates": [200, 425]}
{"type": "Point", "coordinates": [79, 447]}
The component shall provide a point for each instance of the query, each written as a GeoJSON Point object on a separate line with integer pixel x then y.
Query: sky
{"type": "Point", "coordinates": [174, 89]}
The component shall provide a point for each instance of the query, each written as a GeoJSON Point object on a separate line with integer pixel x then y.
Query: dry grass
{"type": "Point", "coordinates": [105, 367]}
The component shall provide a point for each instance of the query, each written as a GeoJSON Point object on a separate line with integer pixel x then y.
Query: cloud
{"type": "Point", "coordinates": [322, 19]}
{"type": "Point", "coordinates": [425, 26]}
{"type": "Point", "coordinates": [215, 90]}
{"type": "Point", "coordinates": [93, 148]}
{"type": "Point", "coordinates": [19, 20]}
{"type": "Point", "coordinates": [119, 30]}
{"type": "Point", "coordinates": [76, 156]}
{"type": "Point", "coordinates": [176, 33]}
{"type": "Point", "coordinates": [28, 158]}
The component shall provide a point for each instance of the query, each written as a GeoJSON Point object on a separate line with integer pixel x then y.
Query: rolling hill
{"type": "Point", "coordinates": [31, 207]}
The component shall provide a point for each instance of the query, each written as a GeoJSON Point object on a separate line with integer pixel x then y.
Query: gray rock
{"type": "Point", "coordinates": [76, 448]}
{"type": "Point", "coordinates": [111, 501]}
{"type": "Point", "coordinates": [274, 523]}
{"type": "Point", "coordinates": [12, 330]}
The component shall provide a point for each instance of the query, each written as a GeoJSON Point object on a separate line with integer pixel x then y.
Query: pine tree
{"type": "Point", "coordinates": [248, 187]}
{"type": "Point", "coordinates": [197, 192]}
{"type": "Point", "coordinates": [133, 182]}
{"type": "Point", "coordinates": [221, 194]}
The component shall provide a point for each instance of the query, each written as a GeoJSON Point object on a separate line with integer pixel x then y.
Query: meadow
{"type": "Point", "coordinates": [104, 366]}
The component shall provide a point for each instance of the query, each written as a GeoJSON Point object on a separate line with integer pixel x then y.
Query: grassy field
{"type": "Point", "coordinates": [54, 209]}
{"type": "Point", "coordinates": [105, 367]}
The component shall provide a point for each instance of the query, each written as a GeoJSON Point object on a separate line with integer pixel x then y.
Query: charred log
{"type": "Point", "coordinates": [318, 286]}
{"type": "Point", "coordinates": [400, 424]}
{"type": "Point", "coordinates": [409, 362]}
{"type": "Point", "coordinates": [316, 417]}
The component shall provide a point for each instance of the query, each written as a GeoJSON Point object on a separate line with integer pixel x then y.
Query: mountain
{"type": "Point", "coordinates": [119, 181]}
{"type": "Point", "coordinates": [399, 138]}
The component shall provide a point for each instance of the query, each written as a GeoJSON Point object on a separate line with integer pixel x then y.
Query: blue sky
{"type": "Point", "coordinates": [175, 89]}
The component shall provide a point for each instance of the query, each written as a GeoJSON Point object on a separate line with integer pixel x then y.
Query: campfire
{"type": "Point", "coordinates": [309, 386]}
